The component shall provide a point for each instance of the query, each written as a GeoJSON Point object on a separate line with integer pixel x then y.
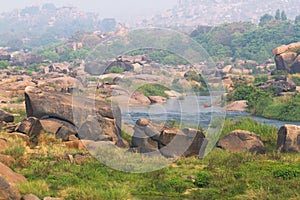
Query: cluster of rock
{"type": "Point", "coordinates": [126, 63]}
{"type": "Point", "coordinates": [287, 58]}
{"type": "Point", "coordinates": [280, 85]}
{"type": "Point", "coordinates": [150, 136]}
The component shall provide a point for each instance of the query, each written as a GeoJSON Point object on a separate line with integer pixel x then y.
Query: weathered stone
{"type": "Point", "coordinates": [8, 183]}
{"type": "Point", "coordinates": [237, 106]}
{"type": "Point", "coordinates": [95, 68]}
{"type": "Point", "coordinates": [90, 130]}
{"type": "Point", "coordinates": [139, 97]}
{"type": "Point", "coordinates": [289, 139]}
{"type": "Point", "coordinates": [176, 143]}
{"type": "Point", "coordinates": [157, 99]}
{"type": "Point", "coordinates": [285, 61]}
{"type": "Point", "coordinates": [31, 127]}
{"type": "Point", "coordinates": [75, 110]}
{"type": "Point", "coordinates": [241, 141]}
{"type": "Point", "coordinates": [280, 50]}
{"type": "Point", "coordinates": [75, 145]}
{"type": "Point", "coordinates": [6, 117]}
{"type": "Point", "coordinates": [65, 132]}
{"type": "Point", "coordinates": [30, 197]}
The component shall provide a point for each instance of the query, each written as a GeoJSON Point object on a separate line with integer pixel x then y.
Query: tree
{"type": "Point", "coordinates": [283, 16]}
{"type": "Point", "coordinates": [277, 15]}
{"type": "Point", "coordinates": [297, 19]}
{"type": "Point", "coordinates": [265, 19]}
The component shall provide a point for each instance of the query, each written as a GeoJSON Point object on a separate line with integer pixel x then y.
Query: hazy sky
{"type": "Point", "coordinates": [106, 8]}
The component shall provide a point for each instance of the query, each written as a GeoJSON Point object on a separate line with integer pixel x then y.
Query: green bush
{"type": "Point", "coordinates": [296, 80]}
{"type": "Point", "coordinates": [202, 179]}
{"type": "Point", "coordinates": [153, 90]}
{"type": "Point", "coordinates": [286, 173]}
{"type": "Point", "coordinates": [115, 70]}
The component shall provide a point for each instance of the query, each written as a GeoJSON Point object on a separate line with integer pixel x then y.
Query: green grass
{"type": "Point", "coordinates": [220, 175]}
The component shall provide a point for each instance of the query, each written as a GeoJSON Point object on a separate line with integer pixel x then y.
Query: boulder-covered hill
{"type": "Point", "coordinates": [46, 23]}
{"type": "Point", "coordinates": [191, 13]}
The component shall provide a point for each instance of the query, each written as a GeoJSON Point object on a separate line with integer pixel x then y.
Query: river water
{"type": "Point", "coordinates": [191, 111]}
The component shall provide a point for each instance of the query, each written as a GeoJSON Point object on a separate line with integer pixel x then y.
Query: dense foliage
{"type": "Point", "coordinates": [247, 41]}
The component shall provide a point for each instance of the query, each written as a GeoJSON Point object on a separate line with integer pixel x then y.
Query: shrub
{"type": "Point", "coordinates": [286, 173]}
{"type": "Point", "coordinates": [202, 179]}
{"type": "Point", "coordinates": [115, 70]}
{"type": "Point", "coordinates": [153, 90]}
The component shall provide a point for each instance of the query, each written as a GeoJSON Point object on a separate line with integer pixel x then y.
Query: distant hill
{"type": "Point", "coordinates": [189, 13]}
{"type": "Point", "coordinates": [46, 24]}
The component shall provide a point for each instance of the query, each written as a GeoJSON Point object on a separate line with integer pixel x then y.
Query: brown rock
{"type": "Point", "coordinates": [294, 47]}
{"type": "Point", "coordinates": [65, 132]}
{"type": "Point", "coordinates": [75, 145]}
{"type": "Point", "coordinates": [157, 99]}
{"type": "Point", "coordinates": [241, 141]}
{"type": "Point", "coordinates": [285, 61]}
{"type": "Point", "coordinates": [8, 183]}
{"type": "Point", "coordinates": [289, 139]}
{"type": "Point", "coordinates": [187, 142]}
{"type": "Point", "coordinates": [52, 198]}
{"type": "Point", "coordinates": [31, 127]}
{"type": "Point", "coordinates": [142, 99]}
{"type": "Point", "coordinates": [237, 106]}
{"type": "Point", "coordinates": [6, 117]}
{"type": "Point", "coordinates": [75, 110]}
{"type": "Point", "coordinates": [280, 50]}
{"type": "Point", "coordinates": [30, 197]}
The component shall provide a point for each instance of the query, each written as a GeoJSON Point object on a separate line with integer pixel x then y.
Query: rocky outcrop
{"type": "Point", "coordinates": [76, 111]}
{"type": "Point", "coordinates": [279, 86]}
{"type": "Point", "coordinates": [241, 141]}
{"type": "Point", "coordinates": [151, 136]}
{"type": "Point", "coordinates": [6, 117]}
{"type": "Point", "coordinates": [289, 139]}
{"type": "Point", "coordinates": [287, 58]}
{"type": "Point", "coordinates": [8, 183]}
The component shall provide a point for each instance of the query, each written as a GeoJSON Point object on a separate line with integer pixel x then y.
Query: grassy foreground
{"type": "Point", "coordinates": [220, 175]}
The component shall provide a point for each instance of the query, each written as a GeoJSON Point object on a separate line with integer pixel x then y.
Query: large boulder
{"type": "Point", "coordinates": [241, 141]}
{"type": "Point", "coordinates": [75, 110]}
{"type": "Point", "coordinates": [285, 61]}
{"type": "Point", "coordinates": [151, 136]}
{"type": "Point", "coordinates": [8, 183]}
{"type": "Point", "coordinates": [186, 142]}
{"type": "Point", "coordinates": [287, 58]}
{"type": "Point", "coordinates": [95, 68]}
{"type": "Point", "coordinates": [6, 117]}
{"type": "Point", "coordinates": [289, 139]}
{"type": "Point", "coordinates": [146, 135]}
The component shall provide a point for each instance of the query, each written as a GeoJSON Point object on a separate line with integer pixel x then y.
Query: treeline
{"type": "Point", "coordinates": [248, 41]}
